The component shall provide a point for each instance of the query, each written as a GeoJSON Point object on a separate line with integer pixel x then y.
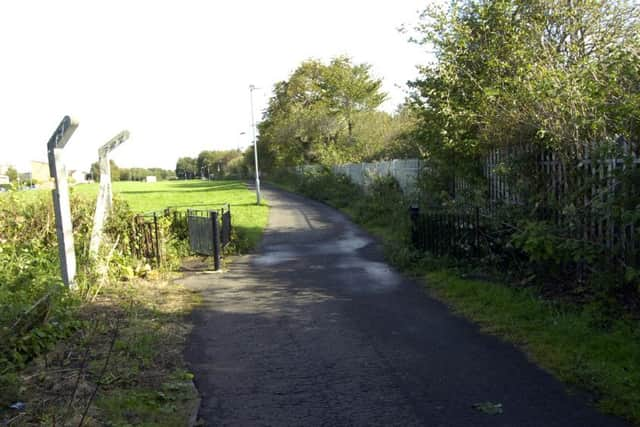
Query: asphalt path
{"type": "Point", "coordinates": [315, 329]}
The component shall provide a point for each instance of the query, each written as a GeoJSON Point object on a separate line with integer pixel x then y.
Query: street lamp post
{"type": "Point", "coordinates": [255, 143]}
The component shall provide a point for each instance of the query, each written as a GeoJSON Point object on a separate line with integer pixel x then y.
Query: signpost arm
{"type": "Point", "coordinates": [105, 197]}
{"type": "Point", "coordinates": [64, 227]}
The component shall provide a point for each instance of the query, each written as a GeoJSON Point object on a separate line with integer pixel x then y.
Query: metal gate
{"type": "Point", "coordinates": [209, 232]}
{"type": "Point", "coordinates": [225, 231]}
{"type": "Point", "coordinates": [145, 238]}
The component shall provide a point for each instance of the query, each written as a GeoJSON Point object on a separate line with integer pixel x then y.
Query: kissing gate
{"type": "Point", "coordinates": [209, 232]}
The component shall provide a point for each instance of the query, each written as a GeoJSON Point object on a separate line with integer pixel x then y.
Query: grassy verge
{"type": "Point", "coordinates": [117, 359]}
{"type": "Point", "coordinates": [581, 345]}
{"type": "Point", "coordinates": [577, 345]}
{"type": "Point", "coordinates": [123, 366]}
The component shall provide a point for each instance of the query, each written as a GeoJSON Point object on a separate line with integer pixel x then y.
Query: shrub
{"type": "Point", "coordinates": [324, 185]}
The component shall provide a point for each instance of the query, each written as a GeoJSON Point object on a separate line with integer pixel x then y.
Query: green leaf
{"type": "Point", "coordinates": [489, 408]}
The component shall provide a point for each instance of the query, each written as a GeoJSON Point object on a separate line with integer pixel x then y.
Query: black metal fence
{"type": "Point", "coordinates": [447, 231]}
{"type": "Point", "coordinates": [201, 226]}
{"type": "Point", "coordinates": [209, 232]}
{"type": "Point", "coordinates": [470, 232]}
{"type": "Point", "coordinates": [225, 231]}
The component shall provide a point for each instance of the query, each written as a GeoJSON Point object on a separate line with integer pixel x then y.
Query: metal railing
{"type": "Point", "coordinates": [209, 232]}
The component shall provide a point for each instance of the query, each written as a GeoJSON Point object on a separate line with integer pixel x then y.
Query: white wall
{"type": "Point", "coordinates": [405, 171]}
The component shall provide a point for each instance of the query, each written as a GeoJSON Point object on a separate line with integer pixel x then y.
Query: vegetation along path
{"type": "Point", "coordinates": [316, 329]}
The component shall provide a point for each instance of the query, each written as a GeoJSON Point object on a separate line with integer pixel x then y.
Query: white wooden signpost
{"type": "Point", "coordinates": [105, 197]}
{"type": "Point", "coordinates": [64, 228]}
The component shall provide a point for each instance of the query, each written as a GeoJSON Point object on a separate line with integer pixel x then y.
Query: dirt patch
{"type": "Point", "coordinates": [195, 264]}
{"type": "Point", "coordinates": [123, 364]}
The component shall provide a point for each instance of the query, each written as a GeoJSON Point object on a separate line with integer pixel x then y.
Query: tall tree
{"type": "Point", "coordinates": [215, 163]}
{"type": "Point", "coordinates": [312, 116]}
{"type": "Point", "coordinates": [512, 71]}
{"type": "Point", "coordinates": [12, 173]}
{"type": "Point", "coordinates": [186, 167]}
{"type": "Point", "coordinates": [349, 89]}
{"type": "Point", "coordinates": [94, 171]}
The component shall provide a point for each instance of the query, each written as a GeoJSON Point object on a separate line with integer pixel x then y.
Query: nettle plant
{"type": "Point", "coordinates": [37, 309]}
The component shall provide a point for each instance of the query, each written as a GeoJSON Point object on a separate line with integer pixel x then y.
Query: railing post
{"type": "Point", "coordinates": [414, 213]}
{"type": "Point", "coordinates": [135, 242]}
{"type": "Point", "coordinates": [477, 231]}
{"type": "Point", "coordinates": [216, 240]}
{"type": "Point", "coordinates": [157, 238]}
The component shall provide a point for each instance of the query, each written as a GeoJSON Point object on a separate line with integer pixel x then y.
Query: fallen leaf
{"type": "Point", "coordinates": [488, 408]}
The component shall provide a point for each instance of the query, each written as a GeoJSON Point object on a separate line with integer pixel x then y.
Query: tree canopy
{"type": "Point", "coordinates": [216, 163]}
{"type": "Point", "coordinates": [130, 174]}
{"type": "Point", "coordinates": [326, 113]}
{"type": "Point", "coordinates": [12, 173]}
{"type": "Point", "coordinates": [508, 71]}
{"type": "Point", "coordinates": [186, 167]}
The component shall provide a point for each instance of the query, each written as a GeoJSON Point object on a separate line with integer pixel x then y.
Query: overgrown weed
{"type": "Point", "coordinates": [128, 348]}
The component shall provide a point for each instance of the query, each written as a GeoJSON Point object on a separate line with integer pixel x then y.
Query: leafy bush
{"type": "Point", "coordinates": [35, 306]}
{"type": "Point", "coordinates": [382, 203]}
{"type": "Point", "coordinates": [324, 185]}
{"type": "Point", "coordinates": [36, 309]}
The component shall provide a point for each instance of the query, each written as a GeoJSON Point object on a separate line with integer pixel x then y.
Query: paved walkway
{"type": "Point", "coordinates": [316, 330]}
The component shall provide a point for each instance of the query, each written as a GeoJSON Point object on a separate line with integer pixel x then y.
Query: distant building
{"type": "Point", "coordinates": [151, 178]}
{"type": "Point", "coordinates": [4, 168]}
{"type": "Point", "coordinates": [79, 177]}
{"type": "Point", "coordinates": [40, 172]}
{"type": "Point", "coordinates": [39, 175]}
{"type": "Point", "coordinates": [4, 179]}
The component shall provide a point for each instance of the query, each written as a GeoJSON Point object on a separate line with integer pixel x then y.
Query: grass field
{"type": "Point", "coordinates": [146, 197]}
{"type": "Point", "coordinates": [247, 218]}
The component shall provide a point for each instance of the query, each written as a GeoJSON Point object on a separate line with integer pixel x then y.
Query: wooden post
{"type": "Point", "coordinates": [64, 227]}
{"type": "Point", "coordinates": [105, 198]}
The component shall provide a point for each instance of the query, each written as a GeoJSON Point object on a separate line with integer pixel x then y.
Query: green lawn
{"type": "Point", "coordinates": [147, 197]}
{"type": "Point", "coordinates": [247, 218]}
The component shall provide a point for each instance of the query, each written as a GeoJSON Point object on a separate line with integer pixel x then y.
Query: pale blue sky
{"type": "Point", "coordinates": [175, 73]}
